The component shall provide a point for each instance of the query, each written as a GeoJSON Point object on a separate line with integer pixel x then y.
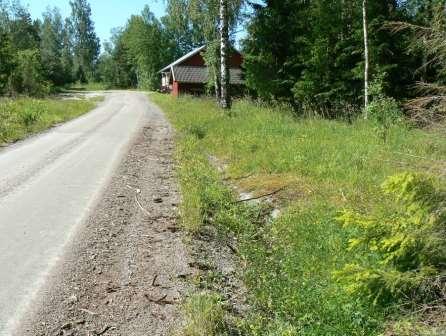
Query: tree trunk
{"type": "Point", "coordinates": [217, 85]}
{"type": "Point", "coordinates": [225, 98]}
{"type": "Point", "coordinates": [366, 57]}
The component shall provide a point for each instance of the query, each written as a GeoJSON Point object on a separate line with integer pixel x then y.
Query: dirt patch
{"type": "Point", "coordinates": [127, 269]}
{"type": "Point", "coordinates": [220, 268]}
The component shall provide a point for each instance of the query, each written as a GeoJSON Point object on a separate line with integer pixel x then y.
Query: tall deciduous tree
{"type": "Point", "coordinates": [225, 98]}
{"type": "Point", "coordinates": [67, 53]}
{"type": "Point", "coordinates": [51, 45]}
{"type": "Point", "coordinates": [146, 43]}
{"type": "Point", "coordinates": [86, 43]}
{"type": "Point", "coordinates": [6, 59]}
{"type": "Point", "coordinates": [366, 55]}
{"type": "Point", "coordinates": [185, 33]}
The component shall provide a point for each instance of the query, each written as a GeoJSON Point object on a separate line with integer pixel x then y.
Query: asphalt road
{"type": "Point", "coordinates": [48, 186]}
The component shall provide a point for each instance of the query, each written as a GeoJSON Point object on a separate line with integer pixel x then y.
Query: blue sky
{"type": "Point", "coordinates": [107, 14]}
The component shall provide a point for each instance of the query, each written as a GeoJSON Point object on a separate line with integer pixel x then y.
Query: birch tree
{"type": "Point", "coordinates": [225, 98]}
{"type": "Point", "coordinates": [366, 57]}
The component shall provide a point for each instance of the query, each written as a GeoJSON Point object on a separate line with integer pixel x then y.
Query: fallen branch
{"type": "Point", "coordinates": [261, 196]}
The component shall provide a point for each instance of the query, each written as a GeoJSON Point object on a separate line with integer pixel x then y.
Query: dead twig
{"type": "Point", "coordinates": [147, 213]}
{"type": "Point", "coordinates": [416, 156]}
{"type": "Point", "coordinates": [161, 300]}
{"type": "Point", "coordinates": [261, 196]}
{"type": "Point", "coordinates": [238, 178]}
{"type": "Point", "coordinates": [138, 203]}
{"type": "Point", "coordinates": [105, 329]}
{"type": "Point", "coordinates": [232, 248]}
{"type": "Point", "coordinates": [88, 311]}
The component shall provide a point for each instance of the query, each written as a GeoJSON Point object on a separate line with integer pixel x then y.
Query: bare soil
{"type": "Point", "coordinates": [126, 271]}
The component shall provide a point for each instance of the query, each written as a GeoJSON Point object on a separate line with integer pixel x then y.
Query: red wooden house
{"type": "Point", "coordinates": [189, 74]}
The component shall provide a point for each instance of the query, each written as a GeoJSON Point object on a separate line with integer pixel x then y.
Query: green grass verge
{"type": "Point", "coordinates": [204, 315]}
{"type": "Point", "coordinates": [326, 166]}
{"type": "Point", "coordinates": [24, 116]}
{"type": "Point", "coordinates": [94, 86]}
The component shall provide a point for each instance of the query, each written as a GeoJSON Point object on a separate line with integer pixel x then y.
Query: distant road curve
{"type": "Point", "coordinates": [48, 185]}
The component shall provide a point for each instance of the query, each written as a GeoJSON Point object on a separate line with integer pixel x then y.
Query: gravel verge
{"type": "Point", "coordinates": [126, 270]}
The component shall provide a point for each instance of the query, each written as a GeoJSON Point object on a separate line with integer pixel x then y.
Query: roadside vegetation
{"type": "Point", "coordinates": [347, 255]}
{"type": "Point", "coordinates": [24, 116]}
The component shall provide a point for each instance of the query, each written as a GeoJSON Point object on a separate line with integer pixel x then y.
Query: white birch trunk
{"type": "Point", "coordinates": [366, 57]}
{"type": "Point", "coordinates": [225, 99]}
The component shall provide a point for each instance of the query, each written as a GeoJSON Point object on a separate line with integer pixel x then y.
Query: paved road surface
{"type": "Point", "coordinates": [48, 184]}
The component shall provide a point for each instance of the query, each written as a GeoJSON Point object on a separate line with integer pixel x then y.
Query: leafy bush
{"type": "Point", "coordinates": [28, 77]}
{"type": "Point", "coordinates": [402, 244]}
{"type": "Point", "coordinates": [384, 111]}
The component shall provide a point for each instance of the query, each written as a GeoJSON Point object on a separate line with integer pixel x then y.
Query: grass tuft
{"type": "Point", "coordinates": [204, 315]}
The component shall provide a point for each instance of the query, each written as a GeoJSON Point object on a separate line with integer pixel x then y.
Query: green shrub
{"type": "Point", "coordinates": [28, 77]}
{"type": "Point", "coordinates": [402, 243]}
{"type": "Point", "coordinates": [384, 111]}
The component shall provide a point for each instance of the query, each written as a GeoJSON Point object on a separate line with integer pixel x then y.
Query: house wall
{"type": "Point", "coordinates": [175, 89]}
{"type": "Point", "coordinates": [236, 60]}
{"type": "Point", "coordinates": [192, 88]}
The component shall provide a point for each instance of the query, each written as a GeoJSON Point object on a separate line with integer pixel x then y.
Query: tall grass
{"type": "Point", "coordinates": [24, 116]}
{"type": "Point", "coordinates": [326, 166]}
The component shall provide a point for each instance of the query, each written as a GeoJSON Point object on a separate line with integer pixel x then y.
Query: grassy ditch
{"type": "Point", "coordinates": [24, 116]}
{"type": "Point", "coordinates": [323, 167]}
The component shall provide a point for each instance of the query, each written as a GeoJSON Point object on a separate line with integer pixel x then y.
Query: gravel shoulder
{"type": "Point", "coordinates": [126, 270]}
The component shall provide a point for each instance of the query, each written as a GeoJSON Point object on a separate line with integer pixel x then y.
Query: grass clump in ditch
{"type": "Point", "coordinates": [204, 315]}
{"type": "Point", "coordinates": [24, 116]}
{"type": "Point", "coordinates": [325, 166]}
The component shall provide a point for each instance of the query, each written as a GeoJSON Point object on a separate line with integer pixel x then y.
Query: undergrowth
{"type": "Point", "coordinates": [24, 116]}
{"type": "Point", "coordinates": [326, 166]}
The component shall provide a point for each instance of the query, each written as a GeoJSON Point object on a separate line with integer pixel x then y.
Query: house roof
{"type": "Point", "coordinates": [195, 74]}
{"type": "Point", "coordinates": [185, 57]}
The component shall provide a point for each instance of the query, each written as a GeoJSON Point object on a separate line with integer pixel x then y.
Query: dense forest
{"type": "Point", "coordinates": [309, 54]}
